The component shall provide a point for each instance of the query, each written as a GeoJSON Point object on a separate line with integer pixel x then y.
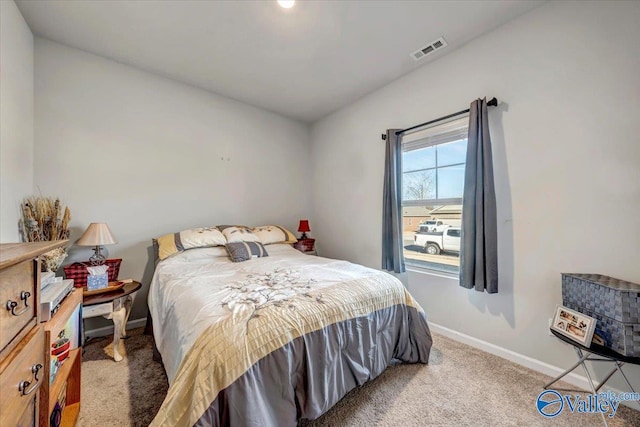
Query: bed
{"type": "Point", "coordinates": [275, 339]}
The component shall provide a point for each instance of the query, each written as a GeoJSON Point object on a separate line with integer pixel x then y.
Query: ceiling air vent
{"type": "Point", "coordinates": [428, 49]}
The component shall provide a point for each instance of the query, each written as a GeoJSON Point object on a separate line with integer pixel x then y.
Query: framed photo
{"type": "Point", "coordinates": [573, 324]}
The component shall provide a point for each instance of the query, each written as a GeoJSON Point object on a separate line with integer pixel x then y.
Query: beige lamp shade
{"type": "Point", "coordinates": [97, 234]}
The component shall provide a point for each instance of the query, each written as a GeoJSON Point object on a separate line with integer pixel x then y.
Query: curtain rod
{"type": "Point", "coordinates": [493, 102]}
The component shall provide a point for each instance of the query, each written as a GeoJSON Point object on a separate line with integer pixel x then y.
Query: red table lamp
{"type": "Point", "coordinates": [303, 228]}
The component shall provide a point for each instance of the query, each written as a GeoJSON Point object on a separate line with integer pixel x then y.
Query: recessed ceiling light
{"type": "Point", "coordinates": [287, 4]}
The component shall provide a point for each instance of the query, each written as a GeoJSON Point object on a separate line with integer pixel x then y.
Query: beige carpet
{"type": "Point", "coordinates": [461, 386]}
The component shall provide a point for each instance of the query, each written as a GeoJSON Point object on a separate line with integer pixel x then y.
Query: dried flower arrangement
{"type": "Point", "coordinates": [45, 219]}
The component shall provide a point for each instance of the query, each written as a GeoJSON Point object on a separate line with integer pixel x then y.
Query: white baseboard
{"type": "Point", "coordinates": [108, 330]}
{"type": "Point", "coordinates": [526, 361]}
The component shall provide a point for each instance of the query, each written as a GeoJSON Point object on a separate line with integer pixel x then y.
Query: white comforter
{"type": "Point", "coordinates": [188, 290]}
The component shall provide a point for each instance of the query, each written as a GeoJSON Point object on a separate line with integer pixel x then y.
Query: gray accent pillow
{"type": "Point", "coordinates": [243, 251]}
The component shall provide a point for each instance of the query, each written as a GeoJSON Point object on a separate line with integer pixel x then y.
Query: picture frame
{"type": "Point", "coordinates": [575, 325]}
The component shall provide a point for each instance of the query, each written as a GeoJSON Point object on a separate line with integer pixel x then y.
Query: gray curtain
{"type": "Point", "coordinates": [392, 258]}
{"type": "Point", "coordinates": [479, 244]}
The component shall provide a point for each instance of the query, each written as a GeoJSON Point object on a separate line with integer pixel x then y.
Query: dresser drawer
{"type": "Point", "coordinates": [30, 415]}
{"type": "Point", "coordinates": [21, 374]}
{"type": "Point", "coordinates": [17, 300]}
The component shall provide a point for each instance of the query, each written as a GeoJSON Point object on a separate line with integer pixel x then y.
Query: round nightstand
{"type": "Point", "coordinates": [306, 246]}
{"type": "Point", "coordinates": [114, 305]}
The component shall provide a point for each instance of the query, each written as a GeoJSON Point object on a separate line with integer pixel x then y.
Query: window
{"type": "Point", "coordinates": [433, 162]}
{"type": "Point", "coordinates": [453, 232]}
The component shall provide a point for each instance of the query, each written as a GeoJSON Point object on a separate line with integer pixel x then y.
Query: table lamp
{"type": "Point", "coordinates": [303, 228]}
{"type": "Point", "coordinates": [97, 234]}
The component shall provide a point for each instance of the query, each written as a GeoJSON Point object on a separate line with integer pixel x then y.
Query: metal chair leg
{"type": "Point", "coordinates": [619, 368]}
{"type": "Point", "coordinates": [604, 381]}
{"type": "Point", "coordinates": [593, 388]}
{"type": "Point", "coordinates": [568, 371]}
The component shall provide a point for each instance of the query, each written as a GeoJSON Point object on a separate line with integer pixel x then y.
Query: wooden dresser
{"type": "Point", "coordinates": [22, 338]}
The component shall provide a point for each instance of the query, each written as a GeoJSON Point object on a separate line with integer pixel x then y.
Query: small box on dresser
{"type": "Point", "coordinates": [614, 303]}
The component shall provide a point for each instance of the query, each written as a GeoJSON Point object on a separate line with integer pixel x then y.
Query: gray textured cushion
{"type": "Point", "coordinates": [243, 251]}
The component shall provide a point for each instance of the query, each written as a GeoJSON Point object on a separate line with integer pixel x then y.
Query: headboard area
{"type": "Point", "coordinates": [204, 237]}
{"type": "Point", "coordinates": [156, 249]}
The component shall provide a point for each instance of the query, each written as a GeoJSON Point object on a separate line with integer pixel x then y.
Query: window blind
{"type": "Point", "coordinates": [439, 133]}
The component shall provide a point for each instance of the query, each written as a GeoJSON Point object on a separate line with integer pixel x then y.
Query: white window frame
{"type": "Point", "coordinates": [439, 133]}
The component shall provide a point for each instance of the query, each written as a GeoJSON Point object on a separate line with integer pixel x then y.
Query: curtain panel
{"type": "Point", "coordinates": [392, 256]}
{"type": "Point", "coordinates": [479, 241]}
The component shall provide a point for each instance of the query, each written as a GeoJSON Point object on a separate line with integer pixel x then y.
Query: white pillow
{"type": "Point", "coordinates": [216, 254]}
{"type": "Point", "coordinates": [238, 233]}
{"type": "Point", "coordinates": [173, 243]}
{"type": "Point", "coordinates": [271, 234]}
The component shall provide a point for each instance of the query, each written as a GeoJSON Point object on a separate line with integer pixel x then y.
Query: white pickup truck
{"type": "Point", "coordinates": [432, 225]}
{"type": "Point", "coordinates": [434, 243]}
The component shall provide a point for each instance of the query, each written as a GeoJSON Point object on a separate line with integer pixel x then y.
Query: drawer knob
{"type": "Point", "coordinates": [11, 305]}
{"type": "Point", "coordinates": [23, 387]}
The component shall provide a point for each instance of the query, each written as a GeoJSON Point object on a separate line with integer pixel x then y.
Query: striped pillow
{"type": "Point", "coordinates": [174, 243]}
{"type": "Point", "coordinates": [271, 234]}
{"type": "Point", "coordinates": [243, 251]}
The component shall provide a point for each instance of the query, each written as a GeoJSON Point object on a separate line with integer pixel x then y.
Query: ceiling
{"type": "Point", "coordinates": [304, 62]}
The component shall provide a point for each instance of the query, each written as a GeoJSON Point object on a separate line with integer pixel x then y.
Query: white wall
{"type": "Point", "coordinates": [567, 162]}
{"type": "Point", "coordinates": [16, 118]}
{"type": "Point", "coordinates": [150, 156]}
